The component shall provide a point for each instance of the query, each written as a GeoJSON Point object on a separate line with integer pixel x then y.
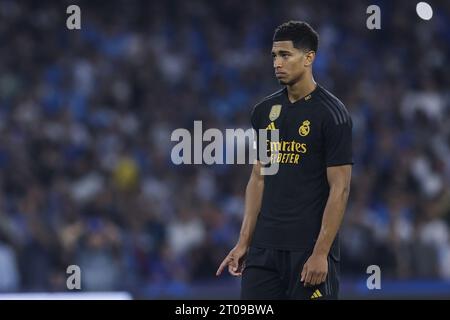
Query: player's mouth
{"type": "Point", "coordinates": [279, 74]}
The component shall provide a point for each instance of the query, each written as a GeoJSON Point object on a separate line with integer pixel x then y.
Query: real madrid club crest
{"type": "Point", "coordinates": [275, 112]}
{"type": "Point", "coordinates": [304, 128]}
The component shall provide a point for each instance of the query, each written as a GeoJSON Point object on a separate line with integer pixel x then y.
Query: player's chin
{"type": "Point", "coordinates": [282, 81]}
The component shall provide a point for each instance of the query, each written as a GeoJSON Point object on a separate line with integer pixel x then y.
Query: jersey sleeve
{"type": "Point", "coordinates": [338, 142]}
{"type": "Point", "coordinates": [254, 119]}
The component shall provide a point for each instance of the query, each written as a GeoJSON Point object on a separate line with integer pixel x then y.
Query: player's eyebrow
{"type": "Point", "coordinates": [274, 52]}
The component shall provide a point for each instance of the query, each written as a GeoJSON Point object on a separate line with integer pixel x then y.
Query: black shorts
{"type": "Point", "coordinates": [274, 274]}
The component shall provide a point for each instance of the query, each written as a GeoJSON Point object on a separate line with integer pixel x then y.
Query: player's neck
{"type": "Point", "coordinates": [301, 89]}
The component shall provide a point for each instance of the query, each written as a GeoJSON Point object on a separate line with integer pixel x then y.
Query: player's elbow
{"type": "Point", "coordinates": [345, 191]}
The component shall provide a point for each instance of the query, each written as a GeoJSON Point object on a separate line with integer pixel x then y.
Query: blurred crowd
{"type": "Point", "coordinates": [86, 176]}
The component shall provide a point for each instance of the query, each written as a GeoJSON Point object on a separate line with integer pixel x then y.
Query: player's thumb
{"type": "Point", "coordinates": [234, 264]}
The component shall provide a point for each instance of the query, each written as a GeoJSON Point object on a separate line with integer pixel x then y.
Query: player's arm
{"type": "Point", "coordinates": [253, 198]}
{"type": "Point", "coordinates": [316, 268]}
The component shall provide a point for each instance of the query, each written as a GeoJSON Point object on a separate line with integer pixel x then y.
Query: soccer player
{"type": "Point", "coordinates": [288, 246]}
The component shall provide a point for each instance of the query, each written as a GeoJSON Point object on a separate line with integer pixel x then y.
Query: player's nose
{"type": "Point", "coordinates": [276, 64]}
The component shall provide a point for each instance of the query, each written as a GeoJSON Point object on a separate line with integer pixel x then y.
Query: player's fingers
{"type": "Point", "coordinates": [233, 271]}
{"type": "Point", "coordinates": [303, 274]}
{"type": "Point", "coordinates": [324, 278]}
{"type": "Point", "coordinates": [320, 278]}
{"type": "Point", "coordinates": [234, 268]}
{"type": "Point", "coordinates": [314, 279]}
{"type": "Point", "coordinates": [222, 265]}
{"type": "Point", "coordinates": [308, 278]}
{"type": "Point", "coordinates": [234, 263]}
{"type": "Point", "coordinates": [220, 269]}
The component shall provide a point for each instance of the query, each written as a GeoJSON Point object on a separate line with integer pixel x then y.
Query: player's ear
{"type": "Point", "coordinates": [309, 58]}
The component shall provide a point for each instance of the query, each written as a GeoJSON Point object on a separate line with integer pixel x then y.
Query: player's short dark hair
{"type": "Point", "coordinates": [302, 35]}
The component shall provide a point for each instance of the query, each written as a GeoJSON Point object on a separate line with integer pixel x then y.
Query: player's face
{"type": "Point", "coordinates": [288, 62]}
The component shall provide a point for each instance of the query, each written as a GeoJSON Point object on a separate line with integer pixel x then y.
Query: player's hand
{"type": "Point", "coordinates": [234, 260]}
{"type": "Point", "coordinates": [315, 270]}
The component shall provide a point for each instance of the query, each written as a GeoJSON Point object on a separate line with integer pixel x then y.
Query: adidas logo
{"type": "Point", "coordinates": [271, 126]}
{"type": "Point", "coordinates": [316, 294]}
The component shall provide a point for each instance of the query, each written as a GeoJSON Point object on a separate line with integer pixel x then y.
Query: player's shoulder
{"type": "Point", "coordinates": [264, 106]}
{"type": "Point", "coordinates": [332, 106]}
{"type": "Point", "coordinates": [271, 99]}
